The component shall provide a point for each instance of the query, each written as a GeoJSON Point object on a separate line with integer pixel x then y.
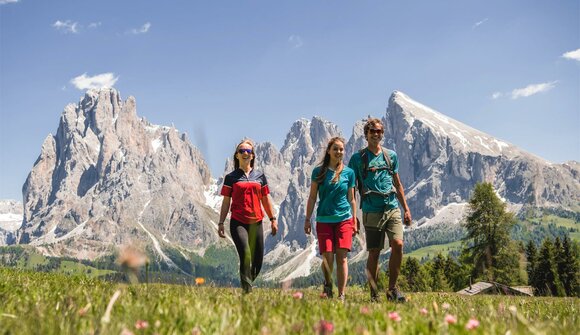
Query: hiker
{"type": "Point", "coordinates": [246, 190]}
{"type": "Point", "coordinates": [333, 183]}
{"type": "Point", "coordinates": [381, 191]}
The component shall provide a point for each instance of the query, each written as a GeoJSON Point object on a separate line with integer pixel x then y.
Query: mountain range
{"type": "Point", "coordinates": [109, 177]}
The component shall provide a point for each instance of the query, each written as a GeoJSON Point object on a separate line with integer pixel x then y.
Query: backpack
{"type": "Point", "coordinates": [365, 169]}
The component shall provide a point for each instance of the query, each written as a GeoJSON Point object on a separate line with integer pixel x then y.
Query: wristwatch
{"type": "Point", "coordinates": [272, 218]}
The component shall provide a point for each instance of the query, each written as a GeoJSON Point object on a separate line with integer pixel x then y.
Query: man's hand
{"type": "Point", "coordinates": [408, 220]}
{"type": "Point", "coordinates": [307, 227]}
{"type": "Point", "coordinates": [221, 231]}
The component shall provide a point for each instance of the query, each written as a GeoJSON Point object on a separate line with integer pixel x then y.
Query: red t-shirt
{"type": "Point", "coordinates": [246, 193]}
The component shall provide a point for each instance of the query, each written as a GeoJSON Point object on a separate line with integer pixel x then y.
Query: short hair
{"type": "Point", "coordinates": [373, 122]}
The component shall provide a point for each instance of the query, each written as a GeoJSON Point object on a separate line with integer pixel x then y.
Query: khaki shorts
{"type": "Point", "coordinates": [377, 224]}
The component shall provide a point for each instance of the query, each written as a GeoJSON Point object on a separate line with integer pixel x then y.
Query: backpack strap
{"type": "Point", "coordinates": [388, 160]}
{"type": "Point", "coordinates": [365, 169]}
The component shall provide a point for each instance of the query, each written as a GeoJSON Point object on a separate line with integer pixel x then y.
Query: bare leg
{"type": "Point", "coordinates": [373, 268]}
{"type": "Point", "coordinates": [395, 262]}
{"type": "Point", "coordinates": [341, 269]}
{"type": "Point", "coordinates": [327, 267]}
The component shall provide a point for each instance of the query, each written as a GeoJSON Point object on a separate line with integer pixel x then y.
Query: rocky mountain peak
{"type": "Point", "coordinates": [108, 176]}
{"type": "Point", "coordinates": [441, 159]}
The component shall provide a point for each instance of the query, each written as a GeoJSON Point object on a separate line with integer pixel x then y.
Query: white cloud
{"type": "Point", "coordinates": [295, 40]}
{"type": "Point", "coordinates": [477, 24]}
{"type": "Point", "coordinates": [144, 28]}
{"type": "Point", "coordinates": [66, 26]}
{"type": "Point", "coordinates": [496, 95]}
{"type": "Point", "coordinates": [4, 2]}
{"type": "Point", "coordinates": [94, 25]}
{"type": "Point", "coordinates": [532, 89]}
{"type": "Point", "coordinates": [575, 55]}
{"type": "Point", "coordinates": [84, 82]}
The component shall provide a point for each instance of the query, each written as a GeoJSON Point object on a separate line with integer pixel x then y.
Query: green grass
{"type": "Point", "coordinates": [50, 303]}
{"type": "Point", "coordinates": [432, 250]}
{"type": "Point", "coordinates": [71, 267]}
{"type": "Point", "coordinates": [558, 221]}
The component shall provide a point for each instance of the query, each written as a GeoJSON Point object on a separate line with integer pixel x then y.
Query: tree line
{"type": "Point", "coordinates": [489, 253]}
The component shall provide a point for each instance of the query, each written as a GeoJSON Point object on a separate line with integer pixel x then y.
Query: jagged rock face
{"type": "Point", "coordinates": [108, 177]}
{"type": "Point", "coordinates": [10, 220]}
{"type": "Point", "coordinates": [441, 160]}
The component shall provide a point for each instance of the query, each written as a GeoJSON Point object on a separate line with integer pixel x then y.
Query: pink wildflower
{"type": "Point", "coordinates": [298, 295]}
{"type": "Point", "coordinates": [450, 319]}
{"type": "Point", "coordinates": [364, 310]}
{"type": "Point", "coordinates": [472, 324]}
{"type": "Point", "coordinates": [323, 295]}
{"type": "Point", "coordinates": [141, 324]}
{"type": "Point", "coordinates": [424, 311]}
{"type": "Point", "coordinates": [324, 327]}
{"type": "Point", "coordinates": [445, 306]}
{"type": "Point", "coordinates": [394, 316]}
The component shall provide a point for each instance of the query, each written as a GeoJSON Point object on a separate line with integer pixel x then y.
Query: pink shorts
{"type": "Point", "coordinates": [332, 236]}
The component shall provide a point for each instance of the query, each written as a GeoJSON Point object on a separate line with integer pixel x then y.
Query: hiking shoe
{"type": "Point", "coordinates": [247, 289]}
{"type": "Point", "coordinates": [395, 295]}
{"type": "Point", "coordinates": [341, 298]}
{"type": "Point", "coordinates": [327, 291]}
{"type": "Point", "coordinates": [374, 296]}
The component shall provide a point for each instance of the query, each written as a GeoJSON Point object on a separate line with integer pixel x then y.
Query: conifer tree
{"type": "Point", "coordinates": [547, 272]}
{"type": "Point", "coordinates": [532, 266]}
{"type": "Point", "coordinates": [414, 275]}
{"type": "Point", "coordinates": [487, 245]}
{"type": "Point", "coordinates": [454, 275]}
{"type": "Point", "coordinates": [439, 282]}
{"type": "Point", "coordinates": [567, 260]}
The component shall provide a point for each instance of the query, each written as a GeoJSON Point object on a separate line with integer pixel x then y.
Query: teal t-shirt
{"type": "Point", "coordinates": [333, 205]}
{"type": "Point", "coordinates": [379, 180]}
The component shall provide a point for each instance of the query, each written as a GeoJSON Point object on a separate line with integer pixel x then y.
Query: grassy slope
{"type": "Point", "coordinates": [432, 250]}
{"type": "Point", "coordinates": [48, 303]}
{"type": "Point", "coordinates": [66, 266]}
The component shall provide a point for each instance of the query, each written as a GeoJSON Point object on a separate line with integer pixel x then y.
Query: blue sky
{"type": "Point", "coordinates": [222, 70]}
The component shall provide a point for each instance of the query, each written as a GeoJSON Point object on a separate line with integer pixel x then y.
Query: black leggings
{"type": "Point", "coordinates": [249, 241]}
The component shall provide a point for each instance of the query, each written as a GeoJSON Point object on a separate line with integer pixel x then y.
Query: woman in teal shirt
{"type": "Point", "coordinates": [333, 183]}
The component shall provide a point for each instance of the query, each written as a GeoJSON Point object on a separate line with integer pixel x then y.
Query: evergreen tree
{"type": "Point", "coordinates": [568, 268]}
{"type": "Point", "coordinates": [454, 274]}
{"type": "Point", "coordinates": [414, 276]}
{"type": "Point", "coordinates": [439, 282]}
{"type": "Point", "coordinates": [532, 266]}
{"type": "Point", "coordinates": [547, 272]}
{"type": "Point", "coordinates": [488, 245]}
{"type": "Point", "coordinates": [507, 267]}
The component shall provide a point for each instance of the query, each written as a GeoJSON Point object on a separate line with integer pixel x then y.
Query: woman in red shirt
{"type": "Point", "coordinates": [245, 191]}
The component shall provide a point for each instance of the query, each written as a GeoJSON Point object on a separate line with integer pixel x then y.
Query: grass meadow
{"type": "Point", "coordinates": [52, 303]}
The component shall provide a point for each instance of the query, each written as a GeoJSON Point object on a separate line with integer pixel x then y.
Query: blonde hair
{"type": "Point", "coordinates": [236, 160]}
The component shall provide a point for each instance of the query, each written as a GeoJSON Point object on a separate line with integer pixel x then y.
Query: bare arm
{"type": "Point", "coordinates": [225, 209]}
{"type": "Point", "coordinates": [310, 206]}
{"type": "Point", "coordinates": [401, 197]}
{"type": "Point", "coordinates": [267, 203]}
{"type": "Point", "coordinates": [352, 201]}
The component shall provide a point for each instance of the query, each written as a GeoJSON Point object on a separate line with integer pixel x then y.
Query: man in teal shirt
{"type": "Point", "coordinates": [376, 171]}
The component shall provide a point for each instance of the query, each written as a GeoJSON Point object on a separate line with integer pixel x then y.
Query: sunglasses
{"type": "Point", "coordinates": [247, 151]}
{"type": "Point", "coordinates": [376, 131]}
